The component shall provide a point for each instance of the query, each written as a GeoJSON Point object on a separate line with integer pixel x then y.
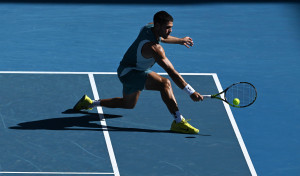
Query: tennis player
{"type": "Point", "coordinates": [135, 74]}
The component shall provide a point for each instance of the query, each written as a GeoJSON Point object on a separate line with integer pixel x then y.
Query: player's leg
{"type": "Point", "coordinates": [128, 101]}
{"type": "Point", "coordinates": [159, 83]}
{"type": "Point", "coordinates": [133, 82]}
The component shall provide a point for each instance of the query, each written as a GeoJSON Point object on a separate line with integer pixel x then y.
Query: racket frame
{"type": "Point", "coordinates": [217, 96]}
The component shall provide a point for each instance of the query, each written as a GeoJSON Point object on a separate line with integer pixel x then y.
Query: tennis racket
{"type": "Point", "coordinates": [244, 91]}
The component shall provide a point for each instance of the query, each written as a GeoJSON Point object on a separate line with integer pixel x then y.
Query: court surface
{"type": "Point", "coordinates": [61, 45]}
{"type": "Point", "coordinates": [41, 134]}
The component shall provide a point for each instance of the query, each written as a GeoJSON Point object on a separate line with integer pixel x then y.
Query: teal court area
{"type": "Point", "coordinates": [41, 134]}
{"type": "Point", "coordinates": [253, 41]}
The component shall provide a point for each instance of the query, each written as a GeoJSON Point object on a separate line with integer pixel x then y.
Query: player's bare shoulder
{"type": "Point", "coordinates": [151, 49]}
{"type": "Point", "coordinates": [157, 48]}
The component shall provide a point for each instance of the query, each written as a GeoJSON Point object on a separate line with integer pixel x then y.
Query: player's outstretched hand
{"type": "Point", "coordinates": [196, 96]}
{"type": "Point", "coordinates": [187, 41]}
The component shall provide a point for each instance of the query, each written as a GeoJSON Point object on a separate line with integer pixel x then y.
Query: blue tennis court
{"type": "Point", "coordinates": [58, 140]}
{"type": "Point", "coordinates": [53, 53]}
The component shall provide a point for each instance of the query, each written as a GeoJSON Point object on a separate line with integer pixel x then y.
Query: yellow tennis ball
{"type": "Point", "coordinates": [236, 101]}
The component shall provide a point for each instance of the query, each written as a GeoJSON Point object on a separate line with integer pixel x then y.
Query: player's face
{"type": "Point", "coordinates": [166, 29]}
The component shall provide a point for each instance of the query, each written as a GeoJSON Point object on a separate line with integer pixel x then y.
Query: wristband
{"type": "Point", "coordinates": [188, 89]}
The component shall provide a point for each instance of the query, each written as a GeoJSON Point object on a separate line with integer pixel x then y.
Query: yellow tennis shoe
{"type": "Point", "coordinates": [83, 103]}
{"type": "Point", "coordinates": [183, 127]}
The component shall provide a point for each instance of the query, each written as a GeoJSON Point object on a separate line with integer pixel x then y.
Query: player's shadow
{"type": "Point", "coordinates": [88, 122]}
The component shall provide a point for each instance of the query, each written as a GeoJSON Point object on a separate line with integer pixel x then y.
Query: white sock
{"type": "Point", "coordinates": [95, 103]}
{"type": "Point", "coordinates": [178, 117]}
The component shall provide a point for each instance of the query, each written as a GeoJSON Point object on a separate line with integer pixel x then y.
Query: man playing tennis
{"type": "Point", "coordinates": [135, 74]}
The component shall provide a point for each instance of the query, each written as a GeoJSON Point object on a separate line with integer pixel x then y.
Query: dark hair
{"type": "Point", "coordinates": [162, 17]}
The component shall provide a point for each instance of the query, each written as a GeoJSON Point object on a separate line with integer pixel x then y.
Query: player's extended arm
{"type": "Point", "coordinates": [164, 62]}
{"type": "Point", "coordinates": [186, 41]}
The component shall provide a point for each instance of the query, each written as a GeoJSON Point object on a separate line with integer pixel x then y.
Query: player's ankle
{"type": "Point", "coordinates": [177, 117]}
{"type": "Point", "coordinates": [95, 103]}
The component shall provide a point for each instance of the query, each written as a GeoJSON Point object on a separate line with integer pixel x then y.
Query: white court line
{"type": "Point", "coordinates": [236, 129]}
{"type": "Point", "coordinates": [104, 127]}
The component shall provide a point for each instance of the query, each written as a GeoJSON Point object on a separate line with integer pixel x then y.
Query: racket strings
{"type": "Point", "coordinates": [245, 92]}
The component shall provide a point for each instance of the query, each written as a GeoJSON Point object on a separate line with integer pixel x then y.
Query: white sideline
{"type": "Point", "coordinates": [104, 127]}
{"type": "Point", "coordinates": [236, 129]}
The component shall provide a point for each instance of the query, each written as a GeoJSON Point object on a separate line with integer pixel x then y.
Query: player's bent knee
{"type": "Point", "coordinates": [166, 84]}
{"type": "Point", "coordinates": [129, 105]}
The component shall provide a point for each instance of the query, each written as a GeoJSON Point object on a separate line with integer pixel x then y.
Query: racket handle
{"type": "Point", "coordinates": [206, 96]}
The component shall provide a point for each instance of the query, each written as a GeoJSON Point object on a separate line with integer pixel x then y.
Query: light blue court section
{"type": "Point", "coordinates": [255, 42]}
{"type": "Point", "coordinates": [41, 135]}
{"type": "Point", "coordinates": [144, 145]}
{"type": "Point", "coordinates": [38, 132]}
